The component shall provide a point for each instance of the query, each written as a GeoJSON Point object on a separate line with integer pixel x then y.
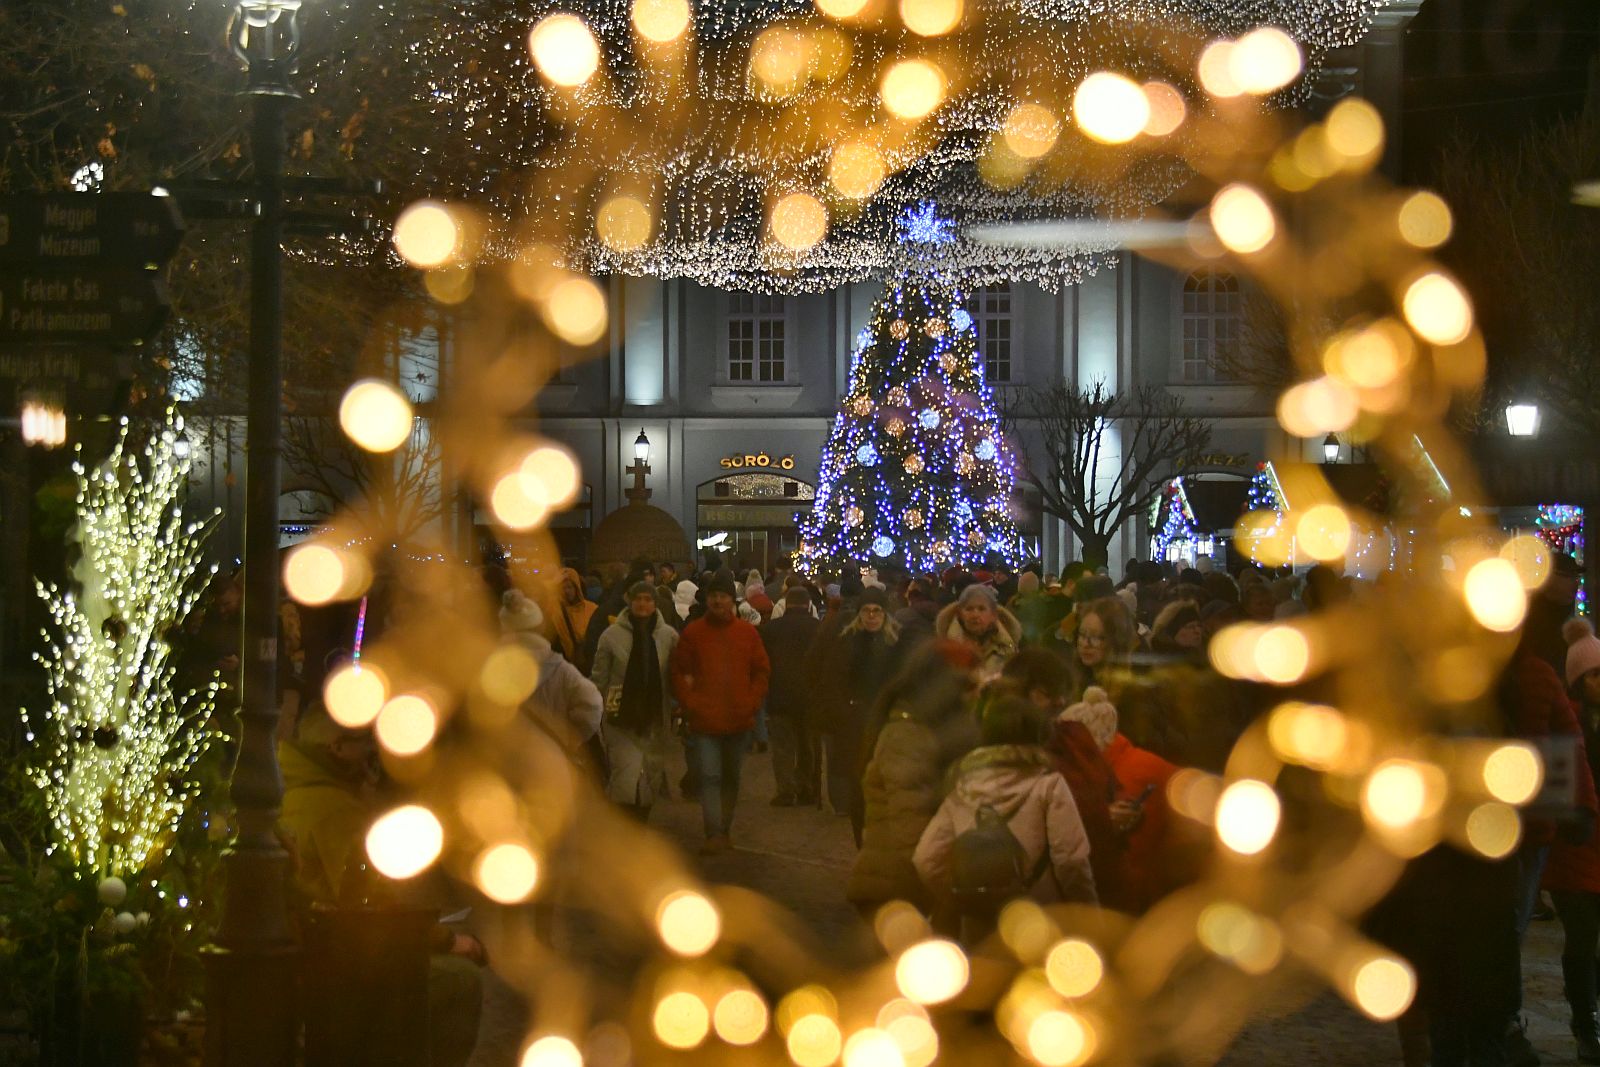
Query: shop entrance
{"type": "Point", "coordinates": [750, 519]}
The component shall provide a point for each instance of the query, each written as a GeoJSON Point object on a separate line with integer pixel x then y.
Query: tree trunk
{"type": "Point", "coordinates": [1096, 549]}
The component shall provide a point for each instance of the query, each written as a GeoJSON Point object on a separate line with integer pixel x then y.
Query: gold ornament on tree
{"type": "Point", "coordinates": [965, 463]}
{"type": "Point", "coordinates": [913, 464]}
{"type": "Point", "coordinates": [853, 515]}
{"type": "Point", "coordinates": [896, 426]}
{"type": "Point", "coordinates": [898, 396]}
{"type": "Point", "coordinates": [861, 406]}
{"type": "Point", "coordinates": [934, 327]}
{"type": "Point", "coordinates": [899, 330]}
{"type": "Point", "coordinates": [912, 518]}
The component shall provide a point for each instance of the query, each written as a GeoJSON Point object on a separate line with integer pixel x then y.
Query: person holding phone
{"type": "Point", "coordinates": [1150, 865]}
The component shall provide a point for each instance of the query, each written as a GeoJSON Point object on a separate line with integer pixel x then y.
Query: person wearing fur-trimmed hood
{"type": "Point", "coordinates": [977, 619]}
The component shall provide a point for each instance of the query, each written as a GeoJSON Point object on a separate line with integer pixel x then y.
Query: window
{"type": "Point", "coordinates": [756, 338]}
{"type": "Point", "coordinates": [990, 308]}
{"type": "Point", "coordinates": [1210, 323]}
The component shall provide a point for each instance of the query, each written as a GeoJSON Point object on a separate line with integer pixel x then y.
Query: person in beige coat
{"type": "Point", "coordinates": [1013, 776]}
{"type": "Point", "coordinates": [977, 619]}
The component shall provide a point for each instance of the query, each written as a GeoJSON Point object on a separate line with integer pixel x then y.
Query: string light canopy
{"type": "Point", "coordinates": [832, 120]}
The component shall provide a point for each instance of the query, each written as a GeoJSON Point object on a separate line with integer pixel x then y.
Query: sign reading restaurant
{"type": "Point", "coordinates": [745, 460]}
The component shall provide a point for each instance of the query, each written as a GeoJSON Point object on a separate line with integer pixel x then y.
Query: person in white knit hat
{"type": "Point", "coordinates": [566, 704]}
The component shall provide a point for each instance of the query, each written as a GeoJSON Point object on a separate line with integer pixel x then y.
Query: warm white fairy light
{"type": "Point", "coordinates": [117, 742]}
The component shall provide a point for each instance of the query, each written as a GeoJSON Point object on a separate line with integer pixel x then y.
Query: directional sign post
{"type": "Point", "coordinates": [105, 307]}
{"type": "Point", "coordinates": [84, 268]}
{"type": "Point", "coordinates": [88, 230]}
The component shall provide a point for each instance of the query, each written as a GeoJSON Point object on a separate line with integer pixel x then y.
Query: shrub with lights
{"type": "Point", "coordinates": [113, 752]}
{"type": "Point", "coordinates": [916, 471]}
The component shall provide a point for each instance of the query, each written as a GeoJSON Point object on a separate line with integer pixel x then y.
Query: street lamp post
{"type": "Point", "coordinates": [641, 467]}
{"type": "Point", "coordinates": [1330, 448]}
{"type": "Point", "coordinates": [251, 970]}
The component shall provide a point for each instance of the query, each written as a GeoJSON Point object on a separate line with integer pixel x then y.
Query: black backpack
{"type": "Point", "coordinates": [989, 866]}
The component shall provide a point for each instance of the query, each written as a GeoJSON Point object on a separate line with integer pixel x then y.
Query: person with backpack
{"type": "Point", "coordinates": [631, 670]}
{"type": "Point", "coordinates": [1009, 829]}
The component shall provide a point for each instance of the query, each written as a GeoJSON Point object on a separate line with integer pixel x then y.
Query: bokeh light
{"type": "Point", "coordinates": [799, 221]}
{"type": "Point", "coordinates": [740, 1017]}
{"type": "Point", "coordinates": [912, 88]}
{"type": "Point", "coordinates": [1031, 130]}
{"type": "Point", "coordinates": [1059, 1039]}
{"type": "Point", "coordinates": [1494, 830]}
{"type": "Point", "coordinates": [1425, 220]}
{"type": "Point", "coordinates": [1383, 987]}
{"type": "Point", "coordinates": [1242, 219]}
{"type": "Point", "coordinates": [688, 923]}
{"type": "Point", "coordinates": [405, 841]}
{"type": "Point", "coordinates": [1310, 734]}
{"type": "Point", "coordinates": [814, 1041]}
{"type": "Point", "coordinates": [1216, 70]}
{"type": "Point", "coordinates": [1264, 61]}
{"type": "Point", "coordinates": [1167, 109]}
{"type": "Point", "coordinates": [1249, 941]}
{"type": "Point", "coordinates": [514, 504]}
{"type": "Point", "coordinates": [375, 415]}
{"type": "Point", "coordinates": [856, 169]}
{"type": "Point", "coordinates": [551, 1051]}
{"type": "Point", "coordinates": [661, 21]}
{"type": "Point", "coordinates": [781, 60]}
{"type": "Point", "coordinates": [932, 971]}
{"type": "Point", "coordinates": [314, 574]}
{"type": "Point", "coordinates": [681, 1020]}
{"type": "Point", "coordinates": [1399, 793]}
{"type": "Point", "coordinates": [872, 1047]}
{"type": "Point", "coordinates": [1354, 131]}
{"type": "Point", "coordinates": [510, 675]}
{"type": "Point", "coordinates": [550, 473]}
{"type": "Point", "coordinates": [1513, 772]}
{"type": "Point", "coordinates": [1323, 532]}
{"type": "Point", "coordinates": [426, 234]}
{"type": "Point", "coordinates": [406, 724]}
{"type": "Point", "coordinates": [354, 694]}
{"type": "Point", "coordinates": [841, 9]}
{"type": "Point", "coordinates": [1110, 108]}
{"type": "Point", "coordinates": [1074, 968]}
{"type": "Point", "coordinates": [1282, 655]}
{"type": "Point", "coordinates": [576, 310]}
{"type": "Point", "coordinates": [1321, 406]}
{"type": "Point", "coordinates": [1247, 816]}
{"type": "Point", "coordinates": [507, 873]}
{"type": "Point", "coordinates": [931, 18]}
{"type": "Point", "coordinates": [1437, 309]}
{"type": "Point", "coordinates": [1495, 595]}
{"type": "Point", "coordinates": [563, 49]}
{"type": "Point", "coordinates": [623, 223]}
{"type": "Point", "coordinates": [908, 1023]}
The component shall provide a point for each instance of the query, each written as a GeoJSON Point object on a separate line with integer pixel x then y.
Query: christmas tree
{"type": "Point", "coordinates": [115, 748]}
{"type": "Point", "coordinates": [916, 472]}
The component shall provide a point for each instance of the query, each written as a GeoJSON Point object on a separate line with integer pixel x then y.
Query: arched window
{"type": "Point", "coordinates": [990, 308]}
{"type": "Point", "coordinates": [1210, 323]}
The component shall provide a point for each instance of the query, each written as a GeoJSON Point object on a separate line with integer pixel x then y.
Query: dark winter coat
{"type": "Point", "coordinates": [903, 787]}
{"type": "Point", "coordinates": [849, 671]}
{"type": "Point", "coordinates": [788, 640]}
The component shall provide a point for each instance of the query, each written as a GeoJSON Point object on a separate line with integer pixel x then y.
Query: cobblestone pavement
{"type": "Point", "coordinates": [799, 857]}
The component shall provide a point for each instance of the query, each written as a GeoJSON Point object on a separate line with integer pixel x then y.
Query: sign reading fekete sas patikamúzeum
{"type": "Point", "coordinates": [88, 230]}
{"type": "Point", "coordinates": [109, 307]}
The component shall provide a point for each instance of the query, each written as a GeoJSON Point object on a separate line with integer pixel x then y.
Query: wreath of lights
{"type": "Point", "coordinates": [916, 470]}
{"type": "Point", "coordinates": [115, 745]}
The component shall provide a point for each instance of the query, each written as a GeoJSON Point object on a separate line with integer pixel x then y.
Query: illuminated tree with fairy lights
{"type": "Point", "coordinates": [916, 471]}
{"type": "Point", "coordinates": [114, 750]}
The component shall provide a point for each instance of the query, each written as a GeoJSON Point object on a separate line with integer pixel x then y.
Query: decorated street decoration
{"type": "Point", "coordinates": [916, 470]}
{"type": "Point", "coordinates": [115, 747]}
{"type": "Point", "coordinates": [1179, 538]}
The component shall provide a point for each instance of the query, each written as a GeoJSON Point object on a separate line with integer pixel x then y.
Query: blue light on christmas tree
{"type": "Point", "coordinates": [916, 471]}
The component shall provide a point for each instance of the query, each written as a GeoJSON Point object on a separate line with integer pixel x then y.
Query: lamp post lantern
{"type": "Point", "coordinates": [1330, 448]}
{"type": "Point", "coordinates": [251, 970]}
{"type": "Point", "coordinates": [639, 493]}
{"type": "Point", "coordinates": [1522, 418]}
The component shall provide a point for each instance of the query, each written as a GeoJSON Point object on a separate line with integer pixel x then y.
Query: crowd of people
{"type": "Point", "coordinates": [991, 735]}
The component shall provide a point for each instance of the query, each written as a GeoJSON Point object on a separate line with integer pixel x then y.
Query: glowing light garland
{"type": "Point", "coordinates": [114, 748]}
{"type": "Point", "coordinates": [1561, 526]}
{"type": "Point", "coordinates": [786, 83]}
{"type": "Point", "coordinates": [916, 470]}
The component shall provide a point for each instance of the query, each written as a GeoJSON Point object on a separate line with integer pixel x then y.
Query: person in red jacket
{"type": "Point", "coordinates": [719, 675]}
{"type": "Point", "coordinates": [1139, 812]}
